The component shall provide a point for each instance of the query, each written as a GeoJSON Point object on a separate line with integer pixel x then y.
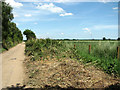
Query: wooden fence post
{"type": "Point", "coordinates": [89, 49]}
{"type": "Point", "coordinates": [118, 52]}
{"type": "Point", "coordinates": [74, 45]}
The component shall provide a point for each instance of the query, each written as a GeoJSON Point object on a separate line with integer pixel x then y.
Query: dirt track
{"type": "Point", "coordinates": [12, 66]}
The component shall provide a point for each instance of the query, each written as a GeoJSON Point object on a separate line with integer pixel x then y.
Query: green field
{"type": "Point", "coordinates": [103, 53]}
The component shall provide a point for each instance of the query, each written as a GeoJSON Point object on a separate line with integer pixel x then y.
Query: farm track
{"type": "Point", "coordinates": [12, 66]}
{"type": "Point", "coordinates": [67, 73]}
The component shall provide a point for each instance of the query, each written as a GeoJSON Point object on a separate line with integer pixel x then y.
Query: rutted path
{"type": "Point", "coordinates": [12, 66]}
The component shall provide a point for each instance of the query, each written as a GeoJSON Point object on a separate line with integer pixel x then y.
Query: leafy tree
{"type": "Point", "coordinates": [109, 39]}
{"type": "Point", "coordinates": [7, 17]}
{"type": "Point", "coordinates": [11, 35]}
{"type": "Point", "coordinates": [29, 34]}
{"type": "Point", "coordinates": [0, 21]}
{"type": "Point", "coordinates": [104, 38]}
{"type": "Point", "coordinates": [118, 39]}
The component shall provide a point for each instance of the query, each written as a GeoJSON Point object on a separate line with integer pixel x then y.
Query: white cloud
{"type": "Point", "coordinates": [103, 1]}
{"type": "Point", "coordinates": [66, 14]}
{"type": "Point", "coordinates": [107, 27]}
{"type": "Point", "coordinates": [115, 8]}
{"type": "Point", "coordinates": [17, 24]}
{"type": "Point", "coordinates": [27, 15]}
{"type": "Point", "coordinates": [53, 9]}
{"type": "Point", "coordinates": [47, 33]}
{"type": "Point", "coordinates": [63, 1]}
{"type": "Point", "coordinates": [50, 7]}
{"type": "Point", "coordinates": [62, 33]}
{"type": "Point", "coordinates": [13, 3]}
{"type": "Point", "coordinates": [15, 14]}
{"type": "Point", "coordinates": [87, 30]}
{"type": "Point", "coordinates": [35, 23]}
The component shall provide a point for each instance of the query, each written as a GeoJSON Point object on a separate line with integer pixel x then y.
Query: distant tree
{"type": "Point", "coordinates": [66, 39]}
{"type": "Point", "coordinates": [109, 39]}
{"type": "Point", "coordinates": [104, 38]}
{"type": "Point", "coordinates": [29, 34]}
{"type": "Point", "coordinates": [74, 39]}
{"type": "Point", "coordinates": [118, 39]}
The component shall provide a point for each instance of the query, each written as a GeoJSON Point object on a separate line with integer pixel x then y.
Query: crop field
{"type": "Point", "coordinates": [101, 54]}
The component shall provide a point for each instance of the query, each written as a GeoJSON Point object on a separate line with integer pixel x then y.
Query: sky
{"type": "Point", "coordinates": [65, 19]}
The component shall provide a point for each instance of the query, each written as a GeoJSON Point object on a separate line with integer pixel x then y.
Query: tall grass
{"type": "Point", "coordinates": [103, 54]}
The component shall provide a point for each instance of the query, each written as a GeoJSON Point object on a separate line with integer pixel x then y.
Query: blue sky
{"type": "Point", "coordinates": [73, 20]}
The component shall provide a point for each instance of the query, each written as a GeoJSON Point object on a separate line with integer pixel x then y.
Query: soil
{"type": "Point", "coordinates": [66, 73]}
{"type": "Point", "coordinates": [12, 66]}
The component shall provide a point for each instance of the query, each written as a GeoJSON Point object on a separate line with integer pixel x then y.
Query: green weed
{"type": "Point", "coordinates": [103, 54]}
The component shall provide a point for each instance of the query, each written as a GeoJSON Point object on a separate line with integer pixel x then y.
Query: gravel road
{"type": "Point", "coordinates": [12, 66]}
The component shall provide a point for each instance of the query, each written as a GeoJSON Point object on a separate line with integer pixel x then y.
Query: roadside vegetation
{"type": "Point", "coordinates": [11, 35]}
{"type": "Point", "coordinates": [103, 54]}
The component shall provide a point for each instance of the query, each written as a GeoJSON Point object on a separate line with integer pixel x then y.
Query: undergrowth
{"type": "Point", "coordinates": [103, 54]}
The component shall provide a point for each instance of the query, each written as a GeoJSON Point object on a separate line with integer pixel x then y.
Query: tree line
{"type": "Point", "coordinates": [11, 35]}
